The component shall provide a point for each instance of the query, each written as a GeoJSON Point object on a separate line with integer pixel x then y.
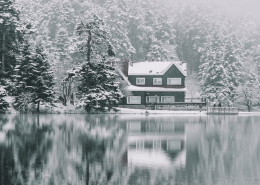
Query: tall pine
{"type": "Point", "coordinates": [33, 74]}
{"type": "Point", "coordinates": [9, 36]}
{"type": "Point", "coordinates": [98, 84]}
{"type": "Point", "coordinates": [220, 69]}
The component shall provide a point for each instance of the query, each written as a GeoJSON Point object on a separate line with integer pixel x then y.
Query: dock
{"type": "Point", "coordinates": [222, 110]}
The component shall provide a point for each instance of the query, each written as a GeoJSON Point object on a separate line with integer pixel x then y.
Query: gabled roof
{"type": "Point", "coordinates": [154, 68]}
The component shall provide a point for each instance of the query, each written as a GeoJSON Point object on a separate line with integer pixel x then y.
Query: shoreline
{"type": "Point", "coordinates": [132, 111]}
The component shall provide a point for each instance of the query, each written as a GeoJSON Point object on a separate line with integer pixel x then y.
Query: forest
{"type": "Point", "coordinates": [47, 45]}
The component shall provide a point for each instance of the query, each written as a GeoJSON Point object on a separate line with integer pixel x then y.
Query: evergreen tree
{"type": "Point", "coordinates": [220, 69]}
{"type": "Point", "coordinates": [98, 84]}
{"type": "Point", "coordinates": [9, 35]}
{"type": "Point", "coordinates": [96, 42]}
{"type": "Point", "coordinates": [62, 56]}
{"type": "Point", "coordinates": [33, 75]}
{"type": "Point", "coordinates": [116, 19]}
{"type": "Point", "coordinates": [157, 52]}
{"type": "Point", "coordinates": [44, 83]}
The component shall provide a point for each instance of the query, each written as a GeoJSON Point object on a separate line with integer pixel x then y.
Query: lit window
{"type": "Point", "coordinates": [173, 81]}
{"type": "Point", "coordinates": [167, 99]}
{"type": "Point", "coordinates": [157, 81]}
{"type": "Point", "coordinates": [152, 99]}
{"type": "Point", "coordinates": [140, 81]}
{"type": "Point", "coordinates": [133, 99]}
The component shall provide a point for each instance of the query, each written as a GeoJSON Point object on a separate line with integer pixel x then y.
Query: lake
{"type": "Point", "coordinates": [129, 149]}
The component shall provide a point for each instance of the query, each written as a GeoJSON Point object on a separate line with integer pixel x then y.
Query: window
{"type": "Point", "coordinates": [167, 99]}
{"type": "Point", "coordinates": [134, 126]}
{"type": "Point", "coordinates": [140, 81]}
{"type": "Point", "coordinates": [173, 81]}
{"type": "Point", "coordinates": [157, 81]}
{"type": "Point", "coordinates": [152, 99]}
{"type": "Point", "coordinates": [134, 100]}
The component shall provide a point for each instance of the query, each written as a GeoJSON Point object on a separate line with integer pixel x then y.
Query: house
{"type": "Point", "coordinates": [155, 142]}
{"type": "Point", "coordinates": [150, 82]}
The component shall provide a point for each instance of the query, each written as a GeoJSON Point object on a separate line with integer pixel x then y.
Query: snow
{"type": "Point", "coordinates": [148, 158]}
{"type": "Point", "coordinates": [123, 76]}
{"type": "Point", "coordinates": [154, 68]}
{"type": "Point", "coordinates": [155, 89]}
{"type": "Point", "coordinates": [143, 111]}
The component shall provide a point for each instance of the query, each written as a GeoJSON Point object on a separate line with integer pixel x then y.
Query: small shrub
{"type": "Point", "coordinates": [3, 104]}
{"type": "Point", "coordinates": [24, 103]}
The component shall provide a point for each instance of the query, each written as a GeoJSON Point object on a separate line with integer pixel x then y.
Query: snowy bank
{"type": "Point", "coordinates": [142, 111]}
{"type": "Point", "coordinates": [59, 108]}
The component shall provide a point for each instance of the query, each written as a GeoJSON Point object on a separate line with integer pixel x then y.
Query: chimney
{"type": "Point", "coordinates": [125, 67]}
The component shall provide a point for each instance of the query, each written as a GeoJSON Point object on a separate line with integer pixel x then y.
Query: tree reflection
{"type": "Point", "coordinates": [24, 150]}
{"type": "Point", "coordinates": [91, 149]}
{"type": "Point", "coordinates": [229, 151]}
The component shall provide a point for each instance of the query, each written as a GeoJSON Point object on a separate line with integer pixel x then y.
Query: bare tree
{"type": "Point", "coordinates": [248, 94]}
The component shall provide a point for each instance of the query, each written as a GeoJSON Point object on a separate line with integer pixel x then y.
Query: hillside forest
{"type": "Point", "coordinates": [54, 48]}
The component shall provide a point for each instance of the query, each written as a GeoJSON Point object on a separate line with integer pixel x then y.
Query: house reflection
{"type": "Point", "coordinates": [153, 143]}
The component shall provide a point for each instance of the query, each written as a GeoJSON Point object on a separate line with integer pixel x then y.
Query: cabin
{"type": "Point", "coordinates": [154, 142]}
{"type": "Point", "coordinates": [154, 82]}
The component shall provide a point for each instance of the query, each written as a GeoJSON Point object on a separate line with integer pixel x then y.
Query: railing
{"type": "Point", "coordinates": [222, 110]}
{"type": "Point", "coordinates": [176, 106]}
{"type": "Point", "coordinates": [181, 104]}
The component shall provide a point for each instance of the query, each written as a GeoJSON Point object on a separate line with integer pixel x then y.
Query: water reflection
{"type": "Point", "coordinates": [124, 149]}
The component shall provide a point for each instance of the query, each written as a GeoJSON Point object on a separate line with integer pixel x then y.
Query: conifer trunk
{"type": "Point", "coordinates": [38, 106]}
{"type": "Point", "coordinates": [3, 52]}
{"type": "Point", "coordinates": [89, 46]}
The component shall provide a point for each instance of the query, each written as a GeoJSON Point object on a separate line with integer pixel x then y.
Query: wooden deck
{"type": "Point", "coordinates": [222, 110]}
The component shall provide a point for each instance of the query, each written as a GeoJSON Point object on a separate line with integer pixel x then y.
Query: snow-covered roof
{"type": "Point", "coordinates": [123, 76]}
{"type": "Point", "coordinates": [155, 89]}
{"type": "Point", "coordinates": [148, 158]}
{"type": "Point", "coordinates": [154, 68]}
{"type": "Point", "coordinates": [154, 158]}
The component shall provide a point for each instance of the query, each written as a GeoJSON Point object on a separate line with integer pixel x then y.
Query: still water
{"type": "Point", "coordinates": [129, 149]}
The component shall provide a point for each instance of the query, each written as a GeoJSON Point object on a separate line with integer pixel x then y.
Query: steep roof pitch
{"type": "Point", "coordinates": [154, 68]}
{"type": "Point", "coordinates": [123, 76]}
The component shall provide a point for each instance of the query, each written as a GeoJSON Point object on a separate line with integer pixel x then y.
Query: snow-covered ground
{"type": "Point", "coordinates": [59, 108]}
{"type": "Point", "coordinates": [142, 111]}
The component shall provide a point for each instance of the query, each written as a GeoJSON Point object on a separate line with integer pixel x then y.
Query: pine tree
{"type": "Point", "coordinates": [98, 84]}
{"type": "Point", "coordinates": [44, 83]}
{"type": "Point", "coordinates": [96, 42]}
{"type": "Point", "coordinates": [9, 36]}
{"type": "Point", "coordinates": [33, 75]}
{"type": "Point", "coordinates": [157, 52]}
{"type": "Point", "coordinates": [116, 19]}
{"type": "Point", "coordinates": [62, 56]}
{"type": "Point", "coordinates": [220, 69]}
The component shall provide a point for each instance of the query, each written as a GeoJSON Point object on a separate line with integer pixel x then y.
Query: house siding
{"type": "Point", "coordinates": [173, 72]}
